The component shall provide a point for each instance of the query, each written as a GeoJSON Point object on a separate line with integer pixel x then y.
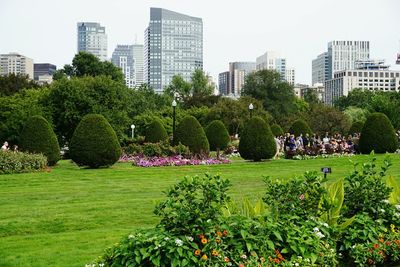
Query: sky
{"type": "Point", "coordinates": [45, 30]}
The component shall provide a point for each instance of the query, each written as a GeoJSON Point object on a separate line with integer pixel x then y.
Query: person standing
{"type": "Point", "coordinates": [5, 146]}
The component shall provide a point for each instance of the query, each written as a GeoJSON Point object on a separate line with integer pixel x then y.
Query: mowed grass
{"type": "Point", "coordinates": [68, 216]}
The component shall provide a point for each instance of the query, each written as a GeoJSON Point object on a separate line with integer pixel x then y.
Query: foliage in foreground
{"type": "Point", "coordinates": [311, 228]}
{"type": "Point", "coordinates": [18, 162]}
{"type": "Point", "coordinates": [94, 143]}
{"type": "Point", "coordinates": [38, 137]}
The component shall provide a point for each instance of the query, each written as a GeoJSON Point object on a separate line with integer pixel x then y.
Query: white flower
{"type": "Point", "coordinates": [332, 250]}
{"type": "Point", "coordinates": [229, 264]}
{"type": "Point", "coordinates": [296, 264]}
{"type": "Point", "coordinates": [101, 265]}
{"type": "Point", "coordinates": [190, 238]}
{"type": "Point", "coordinates": [131, 236]}
{"type": "Point", "coordinates": [166, 238]}
{"type": "Point", "coordinates": [319, 234]}
{"type": "Point", "coordinates": [397, 207]}
{"type": "Point", "coordinates": [307, 260]}
{"type": "Point", "coordinates": [316, 229]}
{"type": "Point", "coordinates": [299, 257]}
{"type": "Point", "coordinates": [385, 201]}
{"type": "Point", "coordinates": [243, 256]}
{"type": "Point", "coordinates": [326, 225]}
{"type": "Point", "coordinates": [178, 242]}
{"type": "Point", "coordinates": [382, 210]}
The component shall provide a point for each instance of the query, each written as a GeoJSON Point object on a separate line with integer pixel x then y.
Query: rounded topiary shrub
{"type": "Point", "coordinates": [190, 133]}
{"type": "Point", "coordinates": [356, 127]}
{"type": "Point", "coordinates": [378, 134]}
{"type": "Point", "coordinates": [276, 130]}
{"type": "Point", "coordinates": [300, 127]}
{"type": "Point", "coordinates": [256, 141]}
{"type": "Point", "coordinates": [94, 143]}
{"type": "Point", "coordinates": [155, 132]}
{"type": "Point", "coordinates": [217, 136]}
{"type": "Point", "coordinates": [37, 136]}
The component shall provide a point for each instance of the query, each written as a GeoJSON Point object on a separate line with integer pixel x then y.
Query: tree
{"type": "Point", "coordinates": [14, 83]}
{"type": "Point", "coordinates": [276, 130]}
{"type": "Point", "coordinates": [356, 127]}
{"type": "Point", "coordinates": [217, 136]}
{"type": "Point", "coordinates": [178, 87]}
{"type": "Point", "coordinates": [278, 96]}
{"type": "Point", "coordinates": [356, 114]}
{"type": "Point", "coordinates": [378, 135]}
{"type": "Point", "coordinates": [311, 97]}
{"type": "Point", "coordinates": [200, 85]}
{"type": "Point", "coordinates": [323, 118]}
{"type": "Point", "coordinates": [155, 132]}
{"type": "Point", "coordinates": [190, 133]}
{"type": "Point", "coordinates": [94, 143]}
{"type": "Point", "coordinates": [71, 99]}
{"type": "Point", "coordinates": [256, 141]}
{"type": "Point", "coordinates": [87, 64]}
{"type": "Point", "coordinates": [37, 136]}
{"type": "Point", "coordinates": [300, 127]}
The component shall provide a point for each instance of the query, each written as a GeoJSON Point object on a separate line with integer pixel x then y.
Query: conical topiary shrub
{"type": "Point", "coordinates": [190, 133]}
{"type": "Point", "coordinates": [155, 132]}
{"type": "Point", "coordinates": [378, 134]}
{"type": "Point", "coordinates": [217, 135]}
{"type": "Point", "coordinates": [256, 141]}
{"type": "Point", "coordinates": [276, 130]}
{"type": "Point", "coordinates": [94, 143]}
{"type": "Point", "coordinates": [38, 137]}
{"type": "Point", "coordinates": [356, 127]}
{"type": "Point", "coordinates": [300, 127]}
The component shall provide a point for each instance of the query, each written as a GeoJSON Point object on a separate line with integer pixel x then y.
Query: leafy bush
{"type": "Point", "coordinates": [133, 149]}
{"type": "Point", "coordinates": [161, 149]}
{"type": "Point", "coordinates": [256, 141]}
{"type": "Point", "coordinates": [190, 133]}
{"type": "Point", "coordinates": [155, 132]}
{"type": "Point", "coordinates": [18, 162]}
{"type": "Point", "coordinates": [94, 143]}
{"type": "Point", "coordinates": [276, 130]}
{"type": "Point", "coordinates": [38, 137]}
{"type": "Point", "coordinates": [152, 150]}
{"type": "Point", "coordinates": [356, 127]}
{"type": "Point", "coordinates": [300, 127]}
{"type": "Point", "coordinates": [217, 136]}
{"type": "Point", "coordinates": [378, 135]}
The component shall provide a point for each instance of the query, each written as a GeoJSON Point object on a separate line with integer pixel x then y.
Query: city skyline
{"type": "Point", "coordinates": [300, 31]}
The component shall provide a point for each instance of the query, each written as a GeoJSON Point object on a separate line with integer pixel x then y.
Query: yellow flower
{"type": "Point", "coordinates": [214, 253]}
{"type": "Point", "coordinates": [197, 252]}
{"type": "Point", "coordinates": [204, 257]}
{"type": "Point", "coordinates": [204, 241]}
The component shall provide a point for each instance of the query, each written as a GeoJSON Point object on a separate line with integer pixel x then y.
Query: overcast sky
{"type": "Point", "coordinates": [45, 30]}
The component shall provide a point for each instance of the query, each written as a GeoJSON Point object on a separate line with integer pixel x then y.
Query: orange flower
{"type": "Point", "coordinates": [277, 260]}
{"type": "Point", "coordinates": [381, 240]}
{"type": "Point", "coordinates": [218, 240]}
{"type": "Point", "coordinates": [388, 243]}
{"type": "Point", "coordinates": [241, 265]}
{"type": "Point", "coordinates": [204, 241]}
{"type": "Point", "coordinates": [226, 259]}
{"type": "Point", "coordinates": [225, 232]}
{"type": "Point", "coordinates": [371, 262]}
{"type": "Point", "coordinates": [197, 252]}
{"type": "Point", "coordinates": [262, 259]}
{"type": "Point", "coordinates": [201, 236]}
{"type": "Point", "coordinates": [204, 257]}
{"type": "Point", "coordinates": [219, 233]}
{"type": "Point", "coordinates": [376, 246]}
{"type": "Point", "coordinates": [214, 253]}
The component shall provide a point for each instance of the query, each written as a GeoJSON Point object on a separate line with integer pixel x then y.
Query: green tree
{"type": "Point", "coordinates": [378, 135]}
{"type": "Point", "coordinates": [37, 136]}
{"type": "Point", "coordinates": [278, 96]}
{"type": "Point", "coordinates": [311, 97]}
{"type": "Point", "coordinates": [14, 83]}
{"type": "Point", "coordinates": [155, 132]}
{"type": "Point", "coordinates": [323, 118]}
{"type": "Point", "coordinates": [300, 127]}
{"type": "Point", "coordinates": [87, 64]}
{"type": "Point", "coordinates": [356, 114]}
{"type": "Point", "coordinates": [200, 85]}
{"type": "Point", "coordinates": [94, 143]}
{"type": "Point", "coordinates": [256, 141]}
{"type": "Point", "coordinates": [276, 130]}
{"type": "Point", "coordinates": [178, 87]}
{"type": "Point", "coordinates": [217, 136]}
{"type": "Point", "coordinates": [356, 127]}
{"type": "Point", "coordinates": [190, 133]}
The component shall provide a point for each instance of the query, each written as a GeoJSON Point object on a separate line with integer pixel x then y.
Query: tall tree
{"type": "Point", "coordinates": [200, 85]}
{"type": "Point", "coordinates": [13, 83]}
{"type": "Point", "coordinates": [178, 87]}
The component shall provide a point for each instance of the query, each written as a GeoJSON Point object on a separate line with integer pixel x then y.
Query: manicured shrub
{"type": "Point", "coordinates": [217, 136]}
{"type": "Point", "coordinates": [356, 127]}
{"type": "Point", "coordinates": [190, 133]}
{"type": "Point", "coordinates": [152, 150]}
{"type": "Point", "coordinates": [276, 130]}
{"type": "Point", "coordinates": [300, 127]}
{"type": "Point", "coordinates": [37, 136]}
{"type": "Point", "coordinates": [94, 143]}
{"type": "Point", "coordinates": [18, 162]}
{"type": "Point", "coordinates": [256, 142]}
{"type": "Point", "coordinates": [378, 134]}
{"type": "Point", "coordinates": [155, 132]}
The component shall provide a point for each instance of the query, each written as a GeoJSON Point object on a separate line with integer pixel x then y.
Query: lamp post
{"type": "Point", "coordinates": [251, 107]}
{"type": "Point", "coordinates": [173, 121]}
{"type": "Point", "coordinates": [133, 130]}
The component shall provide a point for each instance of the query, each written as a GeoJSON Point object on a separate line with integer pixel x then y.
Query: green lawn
{"type": "Point", "coordinates": [66, 217]}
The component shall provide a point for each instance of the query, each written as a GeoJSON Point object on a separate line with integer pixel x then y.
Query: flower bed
{"type": "Point", "coordinates": [322, 156]}
{"type": "Point", "coordinates": [170, 161]}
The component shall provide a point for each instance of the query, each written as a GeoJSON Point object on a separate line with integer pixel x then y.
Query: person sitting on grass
{"type": "Point", "coordinates": [5, 146]}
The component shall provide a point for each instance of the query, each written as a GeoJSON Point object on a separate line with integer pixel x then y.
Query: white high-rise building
{"type": "Point", "coordinates": [92, 38]}
{"type": "Point", "coordinates": [173, 46]}
{"type": "Point", "coordinates": [17, 64]}
{"type": "Point", "coordinates": [320, 67]}
{"type": "Point", "coordinates": [139, 61]}
{"type": "Point", "coordinates": [130, 59]}
{"type": "Point", "coordinates": [271, 60]}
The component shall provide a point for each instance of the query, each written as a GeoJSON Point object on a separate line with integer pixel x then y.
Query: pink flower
{"type": "Point", "coordinates": [301, 197]}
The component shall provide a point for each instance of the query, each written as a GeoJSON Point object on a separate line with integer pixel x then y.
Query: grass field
{"type": "Point", "coordinates": [66, 217]}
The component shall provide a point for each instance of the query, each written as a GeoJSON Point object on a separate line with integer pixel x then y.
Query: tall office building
{"type": "Point", "coordinates": [43, 72]}
{"type": "Point", "coordinates": [271, 60]}
{"type": "Point", "coordinates": [223, 83]}
{"type": "Point", "coordinates": [290, 76]}
{"type": "Point", "coordinates": [341, 55]}
{"type": "Point", "coordinates": [17, 64]}
{"type": "Point", "coordinates": [92, 38]}
{"type": "Point", "coordinates": [231, 82]}
{"type": "Point", "coordinates": [138, 57]}
{"type": "Point", "coordinates": [173, 45]}
{"type": "Point", "coordinates": [130, 59]}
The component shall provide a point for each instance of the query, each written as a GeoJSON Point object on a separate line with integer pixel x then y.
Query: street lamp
{"type": "Point", "coordinates": [133, 130]}
{"type": "Point", "coordinates": [251, 107]}
{"type": "Point", "coordinates": [173, 121]}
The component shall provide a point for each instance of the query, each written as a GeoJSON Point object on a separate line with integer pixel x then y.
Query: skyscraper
{"type": "Point", "coordinates": [130, 59]}
{"type": "Point", "coordinates": [92, 38]}
{"type": "Point", "coordinates": [320, 67]}
{"type": "Point", "coordinates": [17, 64]}
{"type": "Point", "coordinates": [271, 60]}
{"type": "Point", "coordinates": [173, 45]}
